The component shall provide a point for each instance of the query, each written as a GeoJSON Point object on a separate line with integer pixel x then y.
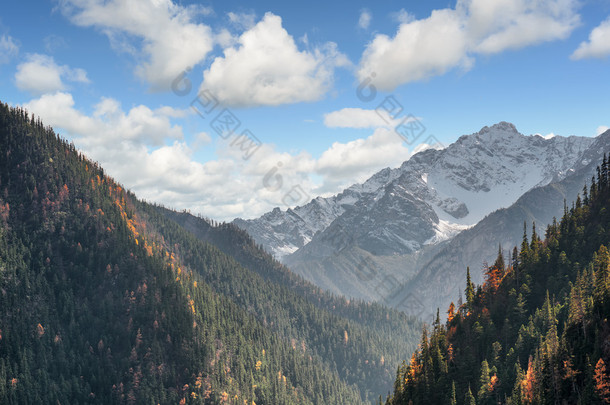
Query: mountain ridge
{"type": "Point", "coordinates": [407, 211]}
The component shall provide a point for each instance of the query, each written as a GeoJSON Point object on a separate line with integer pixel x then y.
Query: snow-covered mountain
{"type": "Point", "coordinates": [441, 275]}
{"type": "Point", "coordinates": [399, 217]}
{"type": "Point", "coordinates": [284, 232]}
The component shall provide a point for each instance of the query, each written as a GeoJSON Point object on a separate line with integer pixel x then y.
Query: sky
{"type": "Point", "coordinates": [229, 109]}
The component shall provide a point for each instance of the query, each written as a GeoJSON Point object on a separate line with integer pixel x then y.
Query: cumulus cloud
{"type": "Point", "coordinates": [598, 45]}
{"type": "Point", "coordinates": [452, 37]}
{"type": "Point", "coordinates": [361, 158]}
{"type": "Point", "coordinates": [147, 152]}
{"type": "Point", "coordinates": [495, 26]}
{"type": "Point", "coordinates": [170, 38]}
{"type": "Point", "coordinates": [420, 49]}
{"type": "Point", "coordinates": [8, 48]}
{"type": "Point", "coordinates": [365, 19]}
{"type": "Point", "coordinates": [358, 118]}
{"type": "Point", "coordinates": [267, 68]}
{"type": "Point", "coordinates": [40, 74]}
{"type": "Point", "coordinates": [109, 124]}
{"type": "Point", "coordinates": [601, 129]}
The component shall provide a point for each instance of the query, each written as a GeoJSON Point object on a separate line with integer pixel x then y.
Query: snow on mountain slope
{"type": "Point", "coordinates": [430, 198]}
{"type": "Point", "coordinates": [283, 232]}
{"type": "Point", "coordinates": [494, 167]}
{"type": "Point", "coordinates": [441, 276]}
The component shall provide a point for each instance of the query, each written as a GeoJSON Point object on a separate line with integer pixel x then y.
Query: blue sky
{"type": "Point", "coordinates": [101, 72]}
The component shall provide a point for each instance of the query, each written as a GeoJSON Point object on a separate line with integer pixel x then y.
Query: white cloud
{"type": "Point", "coordinates": [242, 20]}
{"type": "Point", "coordinates": [8, 48]}
{"type": "Point", "coordinates": [201, 139]}
{"type": "Point", "coordinates": [144, 150]}
{"type": "Point", "coordinates": [365, 19]}
{"type": "Point", "coordinates": [402, 16]}
{"type": "Point", "coordinates": [171, 40]}
{"type": "Point", "coordinates": [601, 129]}
{"type": "Point", "coordinates": [496, 26]}
{"type": "Point", "coordinates": [451, 37]}
{"type": "Point", "coordinates": [109, 124]}
{"type": "Point", "coordinates": [358, 118]}
{"type": "Point", "coordinates": [598, 45]}
{"type": "Point", "coordinates": [359, 159]}
{"type": "Point", "coordinates": [40, 74]}
{"type": "Point", "coordinates": [420, 49]}
{"type": "Point", "coordinates": [267, 68]}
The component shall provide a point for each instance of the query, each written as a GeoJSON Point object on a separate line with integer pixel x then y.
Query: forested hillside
{"type": "Point", "coordinates": [392, 326]}
{"type": "Point", "coordinates": [537, 331]}
{"type": "Point", "coordinates": [103, 299]}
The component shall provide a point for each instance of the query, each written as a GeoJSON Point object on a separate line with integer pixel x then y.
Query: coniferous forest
{"type": "Point", "coordinates": [536, 331]}
{"type": "Point", "coordinates": [108, 299]}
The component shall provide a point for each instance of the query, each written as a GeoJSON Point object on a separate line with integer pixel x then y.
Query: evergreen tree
{"type": "Point", "coordinates": [469, 290]}
{"type": "Point", "coordinates": [485, 388]}
{"type": "Point", "coordinates": [469, 399]}
{"type": "Point", "coordinates": [453, 400]}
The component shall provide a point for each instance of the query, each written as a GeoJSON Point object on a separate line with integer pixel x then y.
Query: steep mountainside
{"type": "Point", "coordinates": [388, 232]}
{"type": "Point", "coordinates": [431, 197]}
{"type": "Point", "coordinates": [442, 271]}
{"type": "Point", "coordinates": [104, 299]}
{"type": "Point", "coordinates": [236, 243]}
{"type": "Point", "coordinates": [536, 331]}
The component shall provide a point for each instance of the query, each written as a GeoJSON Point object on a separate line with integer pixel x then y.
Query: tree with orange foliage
{"type": "Point", "coordinates": [451, 312]}
{"type": "Point", "coordinates": [495, 273]}
{"type": "Point", "coordinates": [529, 385]}
{"type": "Point", "coordinates": [39, 330]}
{"type": "Point", "coordinates": [602, 381]}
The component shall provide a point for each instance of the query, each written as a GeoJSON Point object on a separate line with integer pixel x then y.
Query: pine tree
{"type": "Point", "coordinates": [534, 241]}
{"type": "Point", "coordinates": [484, 393]}
{"type": "Point", "coordinates": [469, 290]}
{"type": "Point", "coordinates": [525, 247]}
{"type": "Point", "coordinates": [453, 400]}
{"type": "Point", "coordinates": [515, 265]}
{"type": "Point", "coordinates": [585, 195]}
{"type": "Point", "coordinates": [499, 263]}
{"type": "Point", "coordinates": [604, 173]}
{"type": "Point", "coordinates": [601, 263]}
{"type": "Point", "coordinates": [469, 399]}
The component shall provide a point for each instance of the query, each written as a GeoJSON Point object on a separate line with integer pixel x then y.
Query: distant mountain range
{"type": "Point", "coordinates": [406, 235]}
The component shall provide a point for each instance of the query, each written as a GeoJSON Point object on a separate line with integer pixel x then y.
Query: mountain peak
{"type": "Point", "coordinates": [501, 126]}
{"type": "Point", "coordinates": [460, 184]}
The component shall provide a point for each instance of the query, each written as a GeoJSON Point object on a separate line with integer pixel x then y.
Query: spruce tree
{"type": "Point", "coordinates": [453, 400]}
{"type": "Point", "coordinates": [469, 399]}
{"type": "Point", "coordinates": [484, 384]}
{"type": "Point", "coordinates": [469, 290]}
